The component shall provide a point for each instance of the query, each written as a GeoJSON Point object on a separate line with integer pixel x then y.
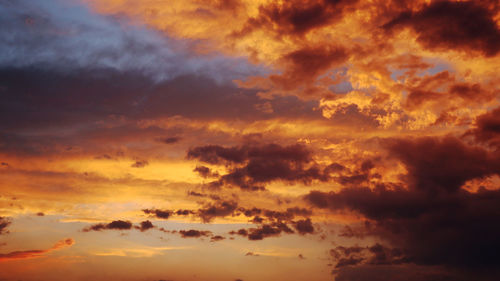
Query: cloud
{"type": "Point", "coordinates": [114, 225]}
{"type": "Point", "coordinates": [170, 140]}
{"type": "Point", "coordinates": [252, 254]}
{"type": "Point", "coordinates": [67, 36]}
{"type": "Point", "coordinates": [295, 18]}
{"type": "Point", "coordinates": [273, 229]}
{"type": "Point", "coordinates": [305, 64]}
{"type": "Point", "coordinates": [161, 214]}
{"type": "Point", "coordinates": [140, 164]}
{"type": "Point", "coordinates": [397, 272]}
{"type": "Point", "coordinates": [446, 164]}
{"type": "Point", "coordinates": [250, 166]}
{"type": "Point", "coordinates": [4, 223]}
{"type": "Point", "coordinates": [216, 238]}
{"type": "Point", "coordinates": [36, 253]}
{"type": "Point", "coordinates": [488, 128]}
{"type": "Point", "coordinates": [432, 220]}
{"type": "Point", "coordinates": [145, 225]}
{"type": "Point", "coordinates": [304, 226]}
{"type": "Point", "coordinates": [192, 233]}
{"type": "Point", "coordinates": [457, 25]}
{"type": "Point", "coordinates": [205, 172]}
{"type": "Point", "coordinates": [442, 92]}
{"type": "Point", "coordinates": [217, 209]}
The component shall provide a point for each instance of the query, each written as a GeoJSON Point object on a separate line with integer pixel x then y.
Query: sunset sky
{"type": "Point", "coordinates": [249, 140]}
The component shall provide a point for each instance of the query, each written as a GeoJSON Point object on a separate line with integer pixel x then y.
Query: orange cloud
{"type": "Point", "coordinates": [36, 253]}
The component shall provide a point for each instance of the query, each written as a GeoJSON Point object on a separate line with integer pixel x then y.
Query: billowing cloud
{"type": "Point", "coordinates": [432, 220]}
{"type": "Point", "coordinates": [488, 128]}
{"type": "Point", "coordinates": [296, 18]}
{"type": "Point", "coordinates": [460, 25]}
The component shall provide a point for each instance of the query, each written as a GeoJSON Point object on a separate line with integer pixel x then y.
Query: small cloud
{"type": "Point", "coordinates": [217, 238]}
{"type": "Point", "coordinates": [170, 140]}
{"type": "Point", "coordinates": [145, 225]}
{"type": "Point", "coordinates": [140, 164]}
{"type": "Point", "coordinates": [114, 225]}
{"type": "Point", "coordinates": [4, 223]}
{"type": "Point", "coordinates": [192, 233]}
{"type": "Point", "coordinates": [161, 214]}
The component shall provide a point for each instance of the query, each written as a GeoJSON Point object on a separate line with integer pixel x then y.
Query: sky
{"type": "Point", "coordinates": [249, 140]}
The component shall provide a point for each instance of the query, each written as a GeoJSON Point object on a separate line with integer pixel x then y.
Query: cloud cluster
{"type": "Point", "coordinates": [252, 166]}
{"type": "Point", "coordinates": [432, 219]}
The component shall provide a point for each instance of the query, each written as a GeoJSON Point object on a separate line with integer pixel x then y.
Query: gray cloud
{"type": "Point", "coordinates": [66, 35]}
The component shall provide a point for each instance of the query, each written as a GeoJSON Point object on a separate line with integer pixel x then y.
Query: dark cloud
{"type": "Point", "coordinates": [192, 233]}
{"type": "Point", "coordinates": [260, 216]}
{"type": "Point", "coordinates": [296, 18]}
{"type": "Point", "coordinates": [161, 214]}
{"type": "Point", "coordinates": [273, 229]}
{"type": "Point", "coordinates": [114, 225]}
{"type": "Point", "coordinates": [398, 272]}
{"type": "Point", "coordinates": [432, 220]}
{"type": "Point", "coordinates": [488, 128]}
{"type": "Point", "coordinates": [304, 226]}
{"type": "Point", "coordinates": [443, 163]}
{"type": "Point", "coordinates": [145, 225]}
{"type": "Point", "coordinates": [442, 91]}
{"type": "Point", "coordinates": [251, 166]}
{"type": "Point", "coordinates": [252, 254]}
{"type": "Point", "coordinates": [305, 64]}
{"type": "Point", "coordinates": [217, 238]}
{"type": "Point", "coordinates": [348, 261]}
{"type": "Point", "coordinates": [205, 172]}
{"type": "Point", "coordinates": [170, 140]}
{"type": "Point", "coordinates": [358, 231]}
{"type": "Point", "coordinates": [198, 194]}
{"type": "Point", "coordinates": [4, 223]}
{"type": "Point", "coordinates": [34, 98]}
{"type": "Point", "coordinates": [183, 212]}
{"type": "Point", "coordinates": [356, 256]}
{"type": "Point", "coordinates": [140, 164]}
{"type": "Point", "coordinates": [241, 232]}
{"type": "Point", "coordinates": [263, 232]}
{"type": "Point", "coordinates": [217, 209]}
{"type": "Point", "coordinates": [461, 25]}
